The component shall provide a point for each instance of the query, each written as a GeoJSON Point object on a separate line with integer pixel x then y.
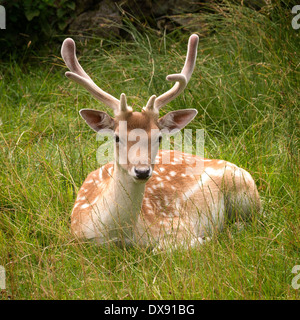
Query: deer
{"type": "Point", "coordinates": [142, 200]}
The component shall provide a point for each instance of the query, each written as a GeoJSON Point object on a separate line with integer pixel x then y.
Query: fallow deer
{"type": "Point", "coordinates": [147, 202]}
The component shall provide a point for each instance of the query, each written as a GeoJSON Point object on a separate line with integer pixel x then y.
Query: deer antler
{"type": "Point", "coordinates": [181, 79]}
{"type": "Point", "coordinates": [77, 74]}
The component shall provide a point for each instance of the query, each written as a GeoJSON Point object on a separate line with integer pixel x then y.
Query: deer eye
{"type": "Point", "coordinates": [117, 139]}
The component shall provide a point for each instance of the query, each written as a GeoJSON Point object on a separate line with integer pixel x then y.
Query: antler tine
{"type": "Point", "coordinates": [77, 74]}
{"type": "Point", "coordinates": [123, 104]}
{"type": "Point", "coordinates": [150, 104]}
{"type": "Point", "coordinates": [182, 78]}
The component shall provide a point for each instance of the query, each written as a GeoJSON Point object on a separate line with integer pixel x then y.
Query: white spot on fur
{"type": "Point", "coordinates": [178, 204]}
{"type": "Point", "coordinates": [175, 214]}
{"type": "Point", "coordinates": [191, 191]}
{"type": "Point", "coordinates": [95, 200]}
{"type": "Point", "coordinates": [172, 173]}
{"type": "Point", "coordinates": [84, 206]}
{"type": "Point", "coordinates": [204, 178]}
{"type": "Point", "coordinates": [166, 200]}
{"type": "Point", "coordinates": [100, 173]}
{"type": "Point", "coordinates": [214, 173]}
{"type": "Point", "coordinates": [247, 175]}
{"type": "Point", "coordinates": [237, 173]}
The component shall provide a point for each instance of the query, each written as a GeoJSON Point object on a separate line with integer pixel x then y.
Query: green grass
{"type": "Point", "coordinates": [246, 89]}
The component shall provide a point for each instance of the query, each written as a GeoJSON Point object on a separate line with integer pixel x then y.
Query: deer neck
{"type": "Point", "coordinates": [127, 193]}
{"type": "Point", "coordinates": [122, 203]}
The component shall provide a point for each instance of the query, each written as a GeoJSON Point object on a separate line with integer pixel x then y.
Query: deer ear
{"type": "Point", "coordinates": [98, 120]}
{"type": "Point", "coordinates": [174, 121]}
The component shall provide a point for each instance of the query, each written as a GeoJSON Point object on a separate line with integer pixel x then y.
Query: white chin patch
{"type": "Point", "coordinates": [131, 172]}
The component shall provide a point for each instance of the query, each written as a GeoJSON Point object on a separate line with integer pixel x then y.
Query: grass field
{"type": "Point", "coordinates": [246, 89]}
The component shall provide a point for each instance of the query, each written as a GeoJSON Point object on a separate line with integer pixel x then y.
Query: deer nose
{"type": "Point", "coordinates": [142, 173]}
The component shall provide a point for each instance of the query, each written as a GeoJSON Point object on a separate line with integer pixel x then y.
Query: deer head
{"type": "Point", "coordinates": [137, 134]}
